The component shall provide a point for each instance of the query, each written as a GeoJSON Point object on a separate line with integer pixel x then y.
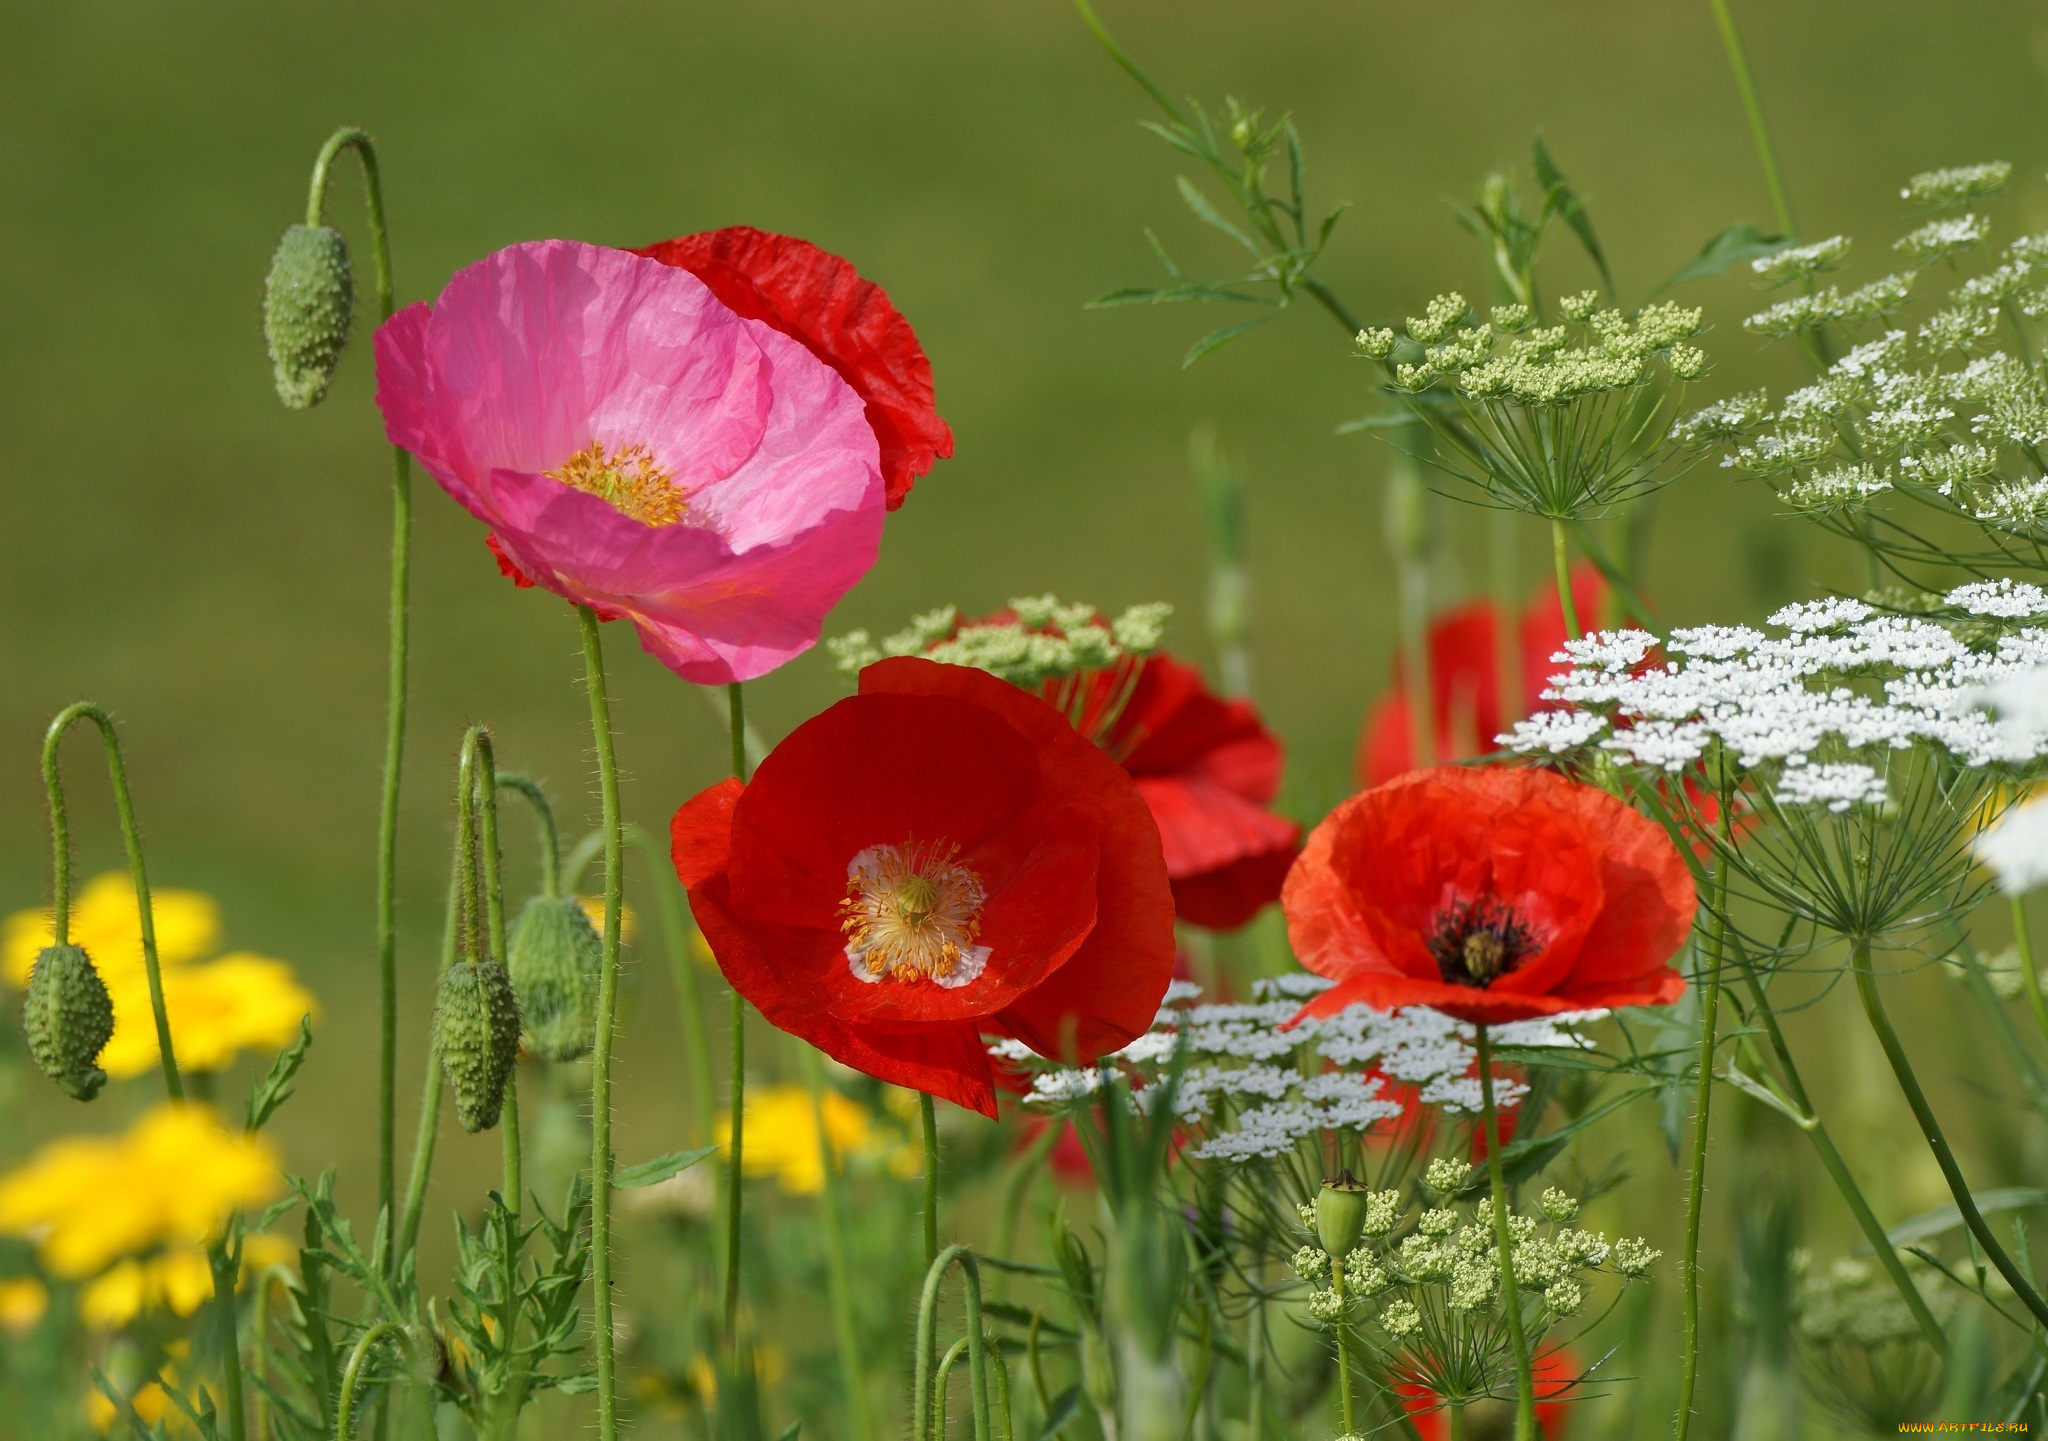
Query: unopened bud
{"type": "Point", "coordinates": [476, 1032]}
{"type": "Point", "coordinates": [555, 956]}
{"type": "Point", "coordinates": [309, 299]}
{"type": "Point", "coordinates": [1340, 1214]}
{"type": "Point", "coordinates": [68, 1017]}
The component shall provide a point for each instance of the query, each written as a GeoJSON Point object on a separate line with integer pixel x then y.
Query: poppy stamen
{"type": "Point", "coordinates": [912, 913]}
{"type": "Point", "coordinates": [630, 480]}
{"type": "Point", "coordinates": [1477, 942]}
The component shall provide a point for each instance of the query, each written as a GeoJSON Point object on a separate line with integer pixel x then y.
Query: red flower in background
{"type": "Point", "coordinates": [817, 298]}
{"type": "Point", "coordinates": [1464, 674]}
{"type": "Point", "coordinates": [934, 859]}
{"type": "Point", "coordinates": [1555, 1374]}
{"type": "Point", "coordinates": [1491, 895]}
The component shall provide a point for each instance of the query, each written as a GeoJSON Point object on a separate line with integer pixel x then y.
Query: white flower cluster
{"type": "Point", "coordinates": [1822, 703]}
{"type": "Point", "coordinates": [1540, 365]}
{"type": "Point", "coordinates": [1257, 1088]}
{"type": "Point", "coordinates": [1047, 640]}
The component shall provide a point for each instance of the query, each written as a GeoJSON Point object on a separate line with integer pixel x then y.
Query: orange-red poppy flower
{"type": "Point", "coordinates": [1491, 895]}
{"type": "Point", "coordinates": [938, 858]}
{"type": "Point", "coordinates": [1555, 1374]}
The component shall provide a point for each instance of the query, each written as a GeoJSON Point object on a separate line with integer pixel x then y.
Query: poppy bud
{"type": "Point", "coordinates": [1340, 1213]}
{"type": "Point", "coordinates": [476, 1031]}
{"type": "Point", "coordinates": [69, 1018]}
{"type": "Point", "coordinates": [309, 300]}
{"type": "Point", "coordinates": [554, 957]}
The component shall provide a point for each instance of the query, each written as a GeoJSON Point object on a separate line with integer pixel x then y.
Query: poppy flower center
{"type": "Point", "coordinates": [911, 913]}
{"type": "Point", "coordinates": [628, 479]}
{"type": "Point", "coordinates": [1477, 942]}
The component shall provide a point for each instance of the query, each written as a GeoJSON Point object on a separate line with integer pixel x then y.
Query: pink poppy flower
{"type": "Point", "coordinates": [637, 447]}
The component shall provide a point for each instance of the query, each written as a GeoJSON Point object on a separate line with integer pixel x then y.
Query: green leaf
{"type": "Point", "coordinates": [1559, 195]}
{"type": "Point", "coordinates": [276, 1088]}
{"type": "Point", "coordinates": [1063, 1412]}
{"type": "Point", "coordinates": [1750, 1086]}
{"type": "Point", "coordinates": [789, 1434]}
{"type": "Point", "coordinates": [1947, 1218]}
{"type": "Point", "coordinates": [1209, 214]}
{"type": "Point", "coordinates": [1740, 242]}
{"type": "Point", "coordinates": [1563, 1058]}
{"type": "Point", "coordinates": [1217, 339]}
{"type": "Point", "coordinates": [1393, 420]}
{"type": "Point", "coordinates": [647, 1173]}
{"type": "Point", "coordinates": [1159, 249]}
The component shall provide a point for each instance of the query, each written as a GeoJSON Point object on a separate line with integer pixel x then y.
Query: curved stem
{"type": "Point", "coordinates": [1703, 1100]}
{"type": "Point", "coordinates": [837, 1273]}
{"type": "Point", "coordinates": [928, 1115]}
{"type": "Point", "coordinates": [1745, 86]}
{"type": "Point", "coordinates": [736, 714]}
{"type": "Point", "coordinates": [1561, 556]}
{"type": "Point", "coordinates": [351, 138]}
{"type": "Point", "coordinates": [1525, 1380]}
{"type": "Point", "coordinates": [1930, 1128]}
{"type": "Point", "coordinates": [131, 838]}
{"type": "Point", "coordinates": [2024, 940]}
{"type": "Point", "coordinates": [607, 1010]}
{"type": "Point", "coordinates": [921, 1394]}
{"type": "Point", "coordinates": [351, 1376]}
{"type": "Point", "coordinates": [544, 821]}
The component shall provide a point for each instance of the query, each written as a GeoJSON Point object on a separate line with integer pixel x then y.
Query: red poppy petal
{"type": "Point", "coordinates": [1227, 898]}
{"type": "Point", "coordinates": [1203, 827]}
{"type": "Point", "coordinates": [506, 567]}
{"type": "Point", "coordinates": [1650, 901]}
{"type": "Point", "coordinates": [819, 299]}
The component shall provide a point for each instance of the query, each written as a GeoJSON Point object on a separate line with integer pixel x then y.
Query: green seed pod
{"type": "Point", "coordinates": [476, 1032]}
{"type": "Point", "coordinates": [309, 299]}
{"type": "Point", "coordinates": [69, 1018]}
{"type": "Point", "coordinates": [555, 956]}
{"type": "Point", "coordinates": [1340, 1214]}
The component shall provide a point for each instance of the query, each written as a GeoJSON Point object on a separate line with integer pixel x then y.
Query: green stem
{"type": "Point", "coordinates": [1457, 1422]}
{"type": "Point", "coordinates": [1930, 1128]}
{"type": "Point", "coordinates": [601, 1056]}
{"type": "Point", "coordinates": [429, 1130]}
{"type": "Point", "coordinates": [1023, 1171]}
{"type": "Point", "coordinates": [544, 821]}
{"type": "Point", "coordinates": [365, 149]}
{"type": "Point", "coordinates": [928, 1114]}
{"type": "Point", "coordinates": [2023, 939]}
{"type": "Point", "coordinates": [921, 1392]}
{"type": "Point", "coordinates": [351, 1376]}
{"type": "Point", "coordinates": [1745, 86]}
{"type": "Point", "coordinates": [1703, 1100]}
{"type": "Point", "coordinates": [1525, 1379]}
{"type": "Point", "coordinates": [1255, 1368]}
{"type": "Point", "coordinates": [131, 838]}
{"type": "Point", "coordinates": [1346, 1404]}
{"type": "Point", "coordinates": [837, 1273]}
{"type": "Point", "coordinates": [675, 934]}
{"type": "Point", "coordinates": [1561, 556]}
{"type": "Point", "coordinates": [736, 717]}
{"type": "Point", "coordinates": [224, 1268]}
{"type": "Point", "coordinates": [508, 1121]}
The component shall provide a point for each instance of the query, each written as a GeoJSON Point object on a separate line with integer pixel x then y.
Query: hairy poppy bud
{"type": "Point", "coordinates": [69, 1018]}
{"type": "Point", "coordinates": [555, 956]}
{"type": "Point", "coordinates": [476, 1031]}
{"type": "Point", "coordinates": [309, 299]}
{"type": "Point", "coordinates": [1340, 1213]}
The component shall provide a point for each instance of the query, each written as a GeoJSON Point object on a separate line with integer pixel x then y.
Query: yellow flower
{"type": "Point", "coordinates": [174, 1179]}
{"type": "Point", "coordinates": [23, 1300]}
{"type": "Point", "coordinates": [593, 907]}
{"type": "Point", "coordinates": [770, 1366]}
{"type": "Point", "coordinates": [240, 1002]}
{"type": "Point", "coordinates": [150, 1403]}
{"type": "Point", "coordinates": [105, 921]}
{"type": "Point", "coordinates": [178, 1280]}
{"type": "Point", "coordinates": [782, 1136]}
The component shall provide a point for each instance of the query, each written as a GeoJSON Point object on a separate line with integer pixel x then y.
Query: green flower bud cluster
{"type": "Point", "coordinates": [1853, 1300]}
{"type": "Point", "coordinates": [476, 1034]}
{"type": "Point", "coordinates": [1541, 366]}
{"type": "Point", "coordinates": [69, 1019]}
{"type": "Point", "coordinates": [309, 303]}
{"type": "Point", "coordinates": [1957, 185]}
{"type": "Point", "coordinates": [553, 962]}
{"type": "Point", "coordinates": [1048, 640]}
{"type": "Point", "coordinates": [1797, 262]}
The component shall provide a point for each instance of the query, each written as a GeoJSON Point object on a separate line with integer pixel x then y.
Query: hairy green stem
{"type": "Point", "coordinates": [350, 138]}
{"type": "Point", "coordinates": [1561, 558]}
{"type": "Point", "coordinates": [1702, 1108]}
{"type": "Point", "coordinates": [838, 1273]}
{"type": "Point", "coordinates": [922, 1408]}
{"type": "Point", "coordinates": [1759, 133]}
{"type": "Point", "coordinates": [736, 716]}
{"type": "Point", "coordinates": [429, 1126]}
{"type": "Point", "coordinates": [351, 1377]}
{"type": "Point", "coordinates": [1525, 1379]}
{"type": "Point", "coordinates": [928, 1114]}
{"type": "Point", "coordinates": [607, 1012]}
{"type": "Point", "coordinates": [1930, 1128]}
{"type": "Point", "coordinates": [2024, 940]}
{"type": "Point", "coordinates": [550, 836]}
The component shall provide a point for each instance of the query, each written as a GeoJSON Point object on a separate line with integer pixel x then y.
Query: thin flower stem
{"type": "Point", "coordinates": [928, 1113]}
{"type": "Point", "coordinates": [1745, 86]}
{"type": "Point", "coordinates": [1561, 556]}
{"type": "Point", "coordinates": [737, 1117]}
{"type": "Point", "coordinates": [2024, 939]}
{"type": "Point", "coordinates": [607, 1012]}
{"type": "Point", "coordinates": [515, 1176]}
{"type": "Point", "coordinates": [224, 1268]}
{"type": "Point", "coordinates": [1496, 1173]}
{"type": "Point", "coordinates": [1702, 1106]}
{"type": "Point", "coordinates": [351, 1377]}
{"type": "Point", "coordinates": [350, 138]}
{"type": "Point", "coordinates": [550, 837]}
{"type": "Point", "coordinates": [1457, 1422]}
{"type": "Point", "coordinates": [1937, 1142]}
{"type": "Point", "coordinates": [1255, 1368]}
{"type": "Point", "coordinates": [429, 1130]}
{"type": "Point", "coordinates": [131, 838]}
{"type": "Point", "coordinates": [838, 1274]}
{"type": "Point", "coordinates": [1347, 1406]}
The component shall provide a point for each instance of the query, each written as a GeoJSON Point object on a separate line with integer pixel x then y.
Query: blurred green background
{"type": "Point", "coordinates": [176, 545]}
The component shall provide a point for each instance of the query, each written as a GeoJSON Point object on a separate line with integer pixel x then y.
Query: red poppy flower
{"type": "Point", "coordinates": [937, 858]}
{"type": "Point", "coordinates": [817, 298]}
{"type": "Point", "coordinates": [1555, 1373]}
{"type": "Point", "coordinates": [1491, 895]}
{"type": "Point", "coordinates": [1464, 675]}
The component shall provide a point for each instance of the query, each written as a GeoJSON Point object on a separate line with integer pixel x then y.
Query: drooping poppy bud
{"type": "Point", "coordinates": [476, 1032]}
{"type": "Point", "coordinates": [1340, 1213]}
{"type": "Point", "coordinates": [69, 1018]}
{"type": "Point", "coordinates": [309, 299]}
{"type": "Point", "coordinates": [554, 958]}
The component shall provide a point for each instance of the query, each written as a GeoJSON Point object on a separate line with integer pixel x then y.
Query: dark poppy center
{"type": "Point", "coordinates": [1475, 943]}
